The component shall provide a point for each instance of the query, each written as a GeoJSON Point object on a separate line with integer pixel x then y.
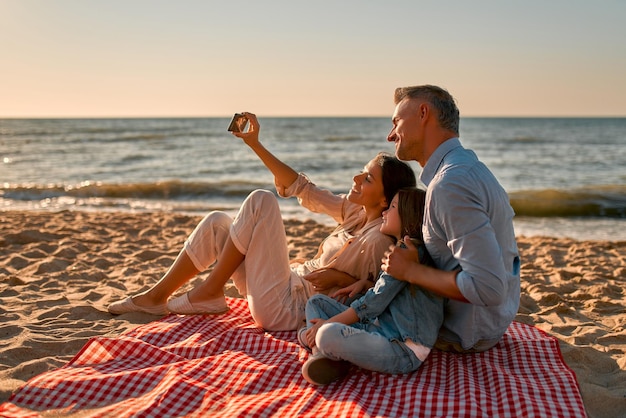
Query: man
{"type": "Point", "coordinates": [468, 225]}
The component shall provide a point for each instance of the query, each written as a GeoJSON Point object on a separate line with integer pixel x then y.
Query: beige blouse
{"type": "Point", "coordinates": [355, 247]}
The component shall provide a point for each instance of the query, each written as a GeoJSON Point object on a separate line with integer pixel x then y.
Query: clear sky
{"type": "Point", "coordinates": [116, 58]}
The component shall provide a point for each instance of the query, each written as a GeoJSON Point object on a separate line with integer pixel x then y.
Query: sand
{"type": "Point", "coordinates": [59, 271]}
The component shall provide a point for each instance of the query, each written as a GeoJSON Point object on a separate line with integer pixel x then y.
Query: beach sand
{"type": "Point", "coordinates": [59, 272]}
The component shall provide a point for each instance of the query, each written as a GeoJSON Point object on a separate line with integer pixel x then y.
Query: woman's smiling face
{"type": "Point", "coordinates": [367, 188]}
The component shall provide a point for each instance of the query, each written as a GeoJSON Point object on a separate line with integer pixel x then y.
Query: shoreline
{"type": "Point", "coordinates": [577, 228]}
{"type": "Point", "coordinates": [60, 270]}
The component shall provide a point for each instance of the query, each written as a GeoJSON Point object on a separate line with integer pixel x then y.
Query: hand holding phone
{"type": "Point", "coordinates": [238, 123]}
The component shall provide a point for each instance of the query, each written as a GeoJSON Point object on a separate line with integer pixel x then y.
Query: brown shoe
{"type": "Point", "coordinates": [319, 370]}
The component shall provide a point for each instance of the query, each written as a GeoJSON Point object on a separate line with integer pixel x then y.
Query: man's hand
{"type": "Point", "coordinates": [399, 262]}
{"type": "Point", "coordinates": [403, 264]}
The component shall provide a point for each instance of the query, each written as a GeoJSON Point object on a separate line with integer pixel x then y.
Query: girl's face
{"type": "Point", "coordinates": [392, 224]}
{"type": "Point", "coordinates": [367, 189]}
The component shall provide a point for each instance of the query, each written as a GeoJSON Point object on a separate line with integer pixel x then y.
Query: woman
{"type": "Point", "coordinates": [252, 248]}
{"type": "Point", "coordinates": [392, 328]}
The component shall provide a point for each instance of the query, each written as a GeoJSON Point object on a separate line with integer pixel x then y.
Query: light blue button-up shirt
{"type": "Point", "coordinates": [468, 224]}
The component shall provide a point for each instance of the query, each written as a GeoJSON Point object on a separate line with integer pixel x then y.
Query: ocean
{"type": "Point", "coordinates": [566, 177]}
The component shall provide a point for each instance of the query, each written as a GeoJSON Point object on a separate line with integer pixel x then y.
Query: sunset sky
{"type": "Point", "coordinates": [133, 58]}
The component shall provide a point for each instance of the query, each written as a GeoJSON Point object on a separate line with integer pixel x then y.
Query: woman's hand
{"type": "Point", "coordinates": [327, 278]}
{"type": "Point", "coordinates": [251, 137]}
{"type": "Point", "coordinates": [354, 289]}
{"type": "Point", "coordinates": [284, 175]}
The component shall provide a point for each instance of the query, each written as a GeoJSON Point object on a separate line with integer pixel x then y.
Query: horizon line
{"type": "Point", "coordinates": [310, 116]}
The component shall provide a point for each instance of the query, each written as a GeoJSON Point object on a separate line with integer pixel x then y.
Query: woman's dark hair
{"type": "Point", "coordinates": [411, 203]}
{"type": "Point", "coordinates": [396, 175]}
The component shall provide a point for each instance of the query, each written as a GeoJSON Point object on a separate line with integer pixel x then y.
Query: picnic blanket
{"type": "Point", "coordinates": [227, 366]}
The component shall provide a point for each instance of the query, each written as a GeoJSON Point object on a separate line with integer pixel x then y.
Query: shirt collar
{"type": "Point", "coordinates": [433, 163]}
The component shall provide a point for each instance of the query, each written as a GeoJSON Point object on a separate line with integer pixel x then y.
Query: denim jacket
{"type": "Point", "coordinates": [403, 311]}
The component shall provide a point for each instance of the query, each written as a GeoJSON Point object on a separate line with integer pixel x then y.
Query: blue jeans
{"type": "Point", "coordinates": [361, 344]}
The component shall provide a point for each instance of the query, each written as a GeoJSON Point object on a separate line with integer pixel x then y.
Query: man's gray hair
{"type": "Point", "coordinates": [440, 99]}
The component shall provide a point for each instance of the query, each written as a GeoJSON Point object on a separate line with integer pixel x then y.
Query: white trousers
{"type": "Point", "coordinates": [276, 295]}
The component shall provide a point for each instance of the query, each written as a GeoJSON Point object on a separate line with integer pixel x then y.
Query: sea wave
{"type": "Point", "coordinates": [173, 189]}
{"type": "Point", "coordinates": [343, 138]}
{"type": "Point", "coordinates": [606, 201]}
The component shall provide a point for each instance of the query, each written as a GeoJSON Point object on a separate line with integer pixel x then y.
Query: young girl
{"type": "Point", "coordinates": [392, 328]}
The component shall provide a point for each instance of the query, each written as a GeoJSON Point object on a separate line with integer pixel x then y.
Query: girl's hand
{"type": "Point", "coordinates": [312, 331]}
{"type": "Point", "coordinates": [251, 137]}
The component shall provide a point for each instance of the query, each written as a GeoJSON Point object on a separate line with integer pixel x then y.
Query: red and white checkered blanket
{"type": "Point", "coordinates": [227, 366]}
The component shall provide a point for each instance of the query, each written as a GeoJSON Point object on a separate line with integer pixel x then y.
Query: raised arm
{"type": "Point", "coordinates": [284, 175]}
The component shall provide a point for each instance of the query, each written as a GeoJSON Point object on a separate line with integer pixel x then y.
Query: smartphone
{"type": "Point", "coordinates": [238, 123]}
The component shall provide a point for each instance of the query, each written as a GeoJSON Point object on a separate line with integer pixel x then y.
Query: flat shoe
{"type": "Point", "coordinates": [302, 338]}
{"type": "Point", "coordinates": [127, 305]}
{"type": "Point", "coordinates": [183, 306]}
{"type": "Point", "coordinates": [319, 370]}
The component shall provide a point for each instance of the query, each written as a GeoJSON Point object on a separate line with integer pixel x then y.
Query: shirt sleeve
{"type": "Point", "coordinates": [460, 206]}
{"type": "Point", "coordinates": [378, 298]}
{"type": "Point", "coordinates": [314, 198]}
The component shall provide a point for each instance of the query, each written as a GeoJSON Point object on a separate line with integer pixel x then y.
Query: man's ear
{"type": "Point", "coordinates": [423, 111]}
